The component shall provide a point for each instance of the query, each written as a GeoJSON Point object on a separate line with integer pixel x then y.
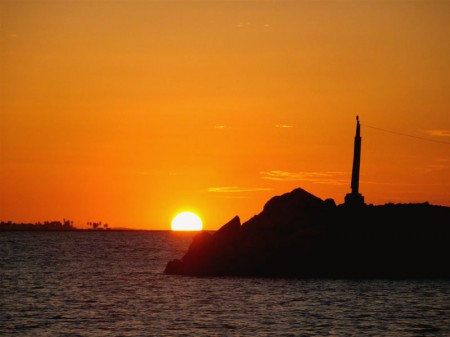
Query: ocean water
{"type": "Point", "coordinates": [112, 284]}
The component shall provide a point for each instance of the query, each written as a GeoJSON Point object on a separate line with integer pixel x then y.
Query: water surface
{"type": "Point", "coordinates": [112, 284]}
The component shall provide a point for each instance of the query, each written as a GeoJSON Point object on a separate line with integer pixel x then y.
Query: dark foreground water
{"type": "Point", "coordinates": [112, 284]}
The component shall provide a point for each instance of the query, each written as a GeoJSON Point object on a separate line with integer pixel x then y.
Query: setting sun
{"type": "Point", "coordinates": [187, 221]}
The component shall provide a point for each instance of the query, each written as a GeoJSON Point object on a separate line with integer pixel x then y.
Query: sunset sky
{"type": "Point", "coordinates": [129, 112]}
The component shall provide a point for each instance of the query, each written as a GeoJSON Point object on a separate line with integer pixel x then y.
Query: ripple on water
{"type": "Point", "coordinates": [111, 284]}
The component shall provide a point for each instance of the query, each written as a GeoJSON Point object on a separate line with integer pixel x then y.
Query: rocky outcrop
{"type": "Point", "coordinates": [298, 234]}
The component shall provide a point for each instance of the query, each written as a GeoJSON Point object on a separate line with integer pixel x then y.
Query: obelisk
{"type": "Point", "coordinates": [355, 198]}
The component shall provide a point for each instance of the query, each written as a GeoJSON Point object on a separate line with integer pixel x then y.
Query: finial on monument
{"type": "Point", "coordinates": [357, 118]}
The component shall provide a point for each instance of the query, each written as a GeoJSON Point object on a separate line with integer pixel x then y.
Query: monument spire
{"type": "Point", "coordinates": [355, 198]}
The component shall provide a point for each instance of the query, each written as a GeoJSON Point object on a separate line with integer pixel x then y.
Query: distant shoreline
{"type": "Point", "coordinates": [56, 226]}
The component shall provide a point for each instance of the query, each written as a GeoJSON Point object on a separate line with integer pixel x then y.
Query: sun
{"type": "Point", "coordinates": [187, 221]}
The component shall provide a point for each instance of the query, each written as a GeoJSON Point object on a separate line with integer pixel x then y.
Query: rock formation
{"type": "Point", "coordinates": [300, 235]}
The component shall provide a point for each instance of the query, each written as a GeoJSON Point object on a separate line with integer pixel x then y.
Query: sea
{"type": "Point", "coordinates": [112, 283]}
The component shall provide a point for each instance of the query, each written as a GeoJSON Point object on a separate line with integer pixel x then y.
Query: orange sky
{"type": "Point", "coordinates": [129, 112]}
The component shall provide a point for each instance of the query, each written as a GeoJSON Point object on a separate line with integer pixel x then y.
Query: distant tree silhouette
{"type": "Point", "coordinates": [97, 226]}
{"type": "Point", "coordinates": [66, 225]}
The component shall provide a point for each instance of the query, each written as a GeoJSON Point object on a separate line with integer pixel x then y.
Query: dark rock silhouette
{"type": "Point", "coordinates": [300, 235]}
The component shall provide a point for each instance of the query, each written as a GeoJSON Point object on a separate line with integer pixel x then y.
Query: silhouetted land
{"type": "Point", "coordinates": [65, 225]}
{"type": "Point", "coordinates": [300, 235]}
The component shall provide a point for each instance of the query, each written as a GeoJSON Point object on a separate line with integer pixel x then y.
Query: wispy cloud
{"type": "Point", "coordinates": [11, 36]}
{"type": "Point", "coordinates": [243, 24]}
{"type": "Point", "coordinates": [284, 126]}
{"type": "Point", "coordinates": [234, 189]}
{"type": "Point", "coordinates": [335, 178]}
{"type": "Point", "coordinates": [220, 127]}
{"type": "Point", "coordinates": [438, 164]}
{"type": "Point", "coordinates": [157, 173]}
{"type": "Point", "coordinates": [438, 133]}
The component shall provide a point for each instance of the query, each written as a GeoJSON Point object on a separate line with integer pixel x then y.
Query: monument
{"type": "Point", "coordinates": [300, 235]}
{"type": "Point", "coordinates": [355, 198]}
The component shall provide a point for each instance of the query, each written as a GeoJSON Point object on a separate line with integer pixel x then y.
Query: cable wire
{"type": "Point", "coordinates": [406, 135]}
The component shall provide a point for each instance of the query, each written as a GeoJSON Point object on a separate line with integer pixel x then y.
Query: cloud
{"type": "Point", "coordinates": [220, 127]}
{"type": "Point", "coordinates": [157, 173]}
{"type": "Point", "coordinates": [334, 178]}
{"type": "Point", "coordinates": [243, 24]}
{"type": "Point", "coordinates": [284, 126]}
{"type": "Point", "coordinates": [432, 168]}
{"type": "Point", "coordinates": [438, 133]}
{"type": "Point", "coordinates": [234, 189]}
{"type": "Point", "coordinates": [439, 164]}
{"type": "Point", "coordinates": [12, 36]}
